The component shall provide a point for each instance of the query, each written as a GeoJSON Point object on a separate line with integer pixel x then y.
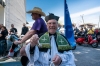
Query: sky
{"type": "Point", "coordinates": [89, 9]}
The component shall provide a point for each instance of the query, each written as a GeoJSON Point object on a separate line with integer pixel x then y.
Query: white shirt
{"type": "Point", "coordinates": [43, 58]}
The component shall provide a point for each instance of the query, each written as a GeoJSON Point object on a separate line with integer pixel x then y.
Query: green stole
{"type": "Point", "coordinates": [62, 43]}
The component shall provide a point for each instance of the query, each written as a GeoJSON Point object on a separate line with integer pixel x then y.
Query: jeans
{"type": "Point", "coordinates": [11, 39]}
{"type": "Point", "coordinates": [3, 46]}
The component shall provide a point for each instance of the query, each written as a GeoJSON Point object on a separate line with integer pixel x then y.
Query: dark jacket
{"type": "Point", "coordinates": [4, 34]}
{"type": "Point", "coordinates": [24, 30]}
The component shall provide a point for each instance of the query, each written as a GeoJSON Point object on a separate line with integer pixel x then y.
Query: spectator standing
{"type": "Point", "coordinates": [24, 29]}
{"type": "Point", "coordinates": [13, 29]}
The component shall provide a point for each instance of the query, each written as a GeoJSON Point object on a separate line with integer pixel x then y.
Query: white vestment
{"type": "Point", "coordinates": [44, 58]}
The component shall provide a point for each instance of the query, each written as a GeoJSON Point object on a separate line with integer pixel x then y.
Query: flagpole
{"type": "Point", "coordinates": [64, 17]}
{"type": "Point", "coordinates": [69, 34]}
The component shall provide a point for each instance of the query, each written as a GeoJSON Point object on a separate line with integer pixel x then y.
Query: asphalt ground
{"type": "Point", "coordinates": [87, 56]}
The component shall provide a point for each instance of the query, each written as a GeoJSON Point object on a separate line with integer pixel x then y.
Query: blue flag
{"type": "Point", "coordinates": [68, 26]}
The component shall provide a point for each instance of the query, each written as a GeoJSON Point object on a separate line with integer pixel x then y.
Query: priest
{"type": "Point", "coordinates": [50, 48]}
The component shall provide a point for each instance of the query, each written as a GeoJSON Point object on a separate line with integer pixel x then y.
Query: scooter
{"type": "Point", "coordinates": [80, 38]}
{"type": "Point", "coordinates": [91, 41]}
{"type": "Point", "coordinates": [98, 39]}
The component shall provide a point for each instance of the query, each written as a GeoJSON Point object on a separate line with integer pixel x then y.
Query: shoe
{"type": "Point", "coordinates": [10, 54]}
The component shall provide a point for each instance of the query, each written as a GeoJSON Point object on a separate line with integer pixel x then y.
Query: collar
{"type": "Point", "coordinates": [52, 34]}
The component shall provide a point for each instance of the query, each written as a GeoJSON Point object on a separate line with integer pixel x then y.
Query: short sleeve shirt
{"type": "Point", "coordinates": [14, 30]}
{"type": "Point", "coordinates": [40, 26]}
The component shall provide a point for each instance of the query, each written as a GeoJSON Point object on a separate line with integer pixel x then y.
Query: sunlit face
{"type": "Point", "coordinates": [52, 26]}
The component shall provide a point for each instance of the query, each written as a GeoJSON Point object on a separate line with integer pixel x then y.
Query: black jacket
{"type": "Point", "coordinates": [24, 30]}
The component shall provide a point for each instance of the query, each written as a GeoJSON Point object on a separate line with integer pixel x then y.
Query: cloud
{"type": "Point", "coordinates": [87, 19]}
{"type": "Point", "coordinates": [86, 12]}
{"type": "Point", "coordinates": [89, 16]}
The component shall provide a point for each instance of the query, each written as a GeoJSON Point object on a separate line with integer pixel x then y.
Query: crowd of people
{"type": "Point", "coordinates": [83, 32]}
{"type": "Point", "coordinates": [4, 33]}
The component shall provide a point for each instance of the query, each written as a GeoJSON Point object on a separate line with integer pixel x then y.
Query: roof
{"type": "Point", "coordinates": [87, 24]}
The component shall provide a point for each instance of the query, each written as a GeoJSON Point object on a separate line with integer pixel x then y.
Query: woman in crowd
{"type": "Point", "coordinates": [3, 35]}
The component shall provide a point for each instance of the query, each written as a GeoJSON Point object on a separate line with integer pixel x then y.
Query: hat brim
{"type": "Point", "coordinates": [37, 12]}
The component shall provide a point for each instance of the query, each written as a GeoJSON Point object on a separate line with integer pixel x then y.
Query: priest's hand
{"type": "Point", "coordinates": [57, 60]}
{"type": "Point", "coordinates": [34, 40]}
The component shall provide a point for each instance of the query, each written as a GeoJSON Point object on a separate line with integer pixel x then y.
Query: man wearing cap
{"type": "Point", "coordinates": [38, 27]}
{"type": "Point", "coordinates": [50, 48]}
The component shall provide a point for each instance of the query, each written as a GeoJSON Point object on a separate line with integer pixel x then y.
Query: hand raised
{"type": "Point", "coordinates": [57, 60]}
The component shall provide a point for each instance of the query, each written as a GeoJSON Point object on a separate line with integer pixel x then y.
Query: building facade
{"type": "Point", "coordinates": [2, 5]}
{"type": "Point", "coordinates": [14, 12]}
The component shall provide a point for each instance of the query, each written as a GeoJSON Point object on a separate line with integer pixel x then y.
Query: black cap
{"type": "Point", "coordinates": [51, 16]}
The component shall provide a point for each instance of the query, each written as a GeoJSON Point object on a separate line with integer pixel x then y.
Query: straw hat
{"type": "Point", "coordinates": [37, 10]}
